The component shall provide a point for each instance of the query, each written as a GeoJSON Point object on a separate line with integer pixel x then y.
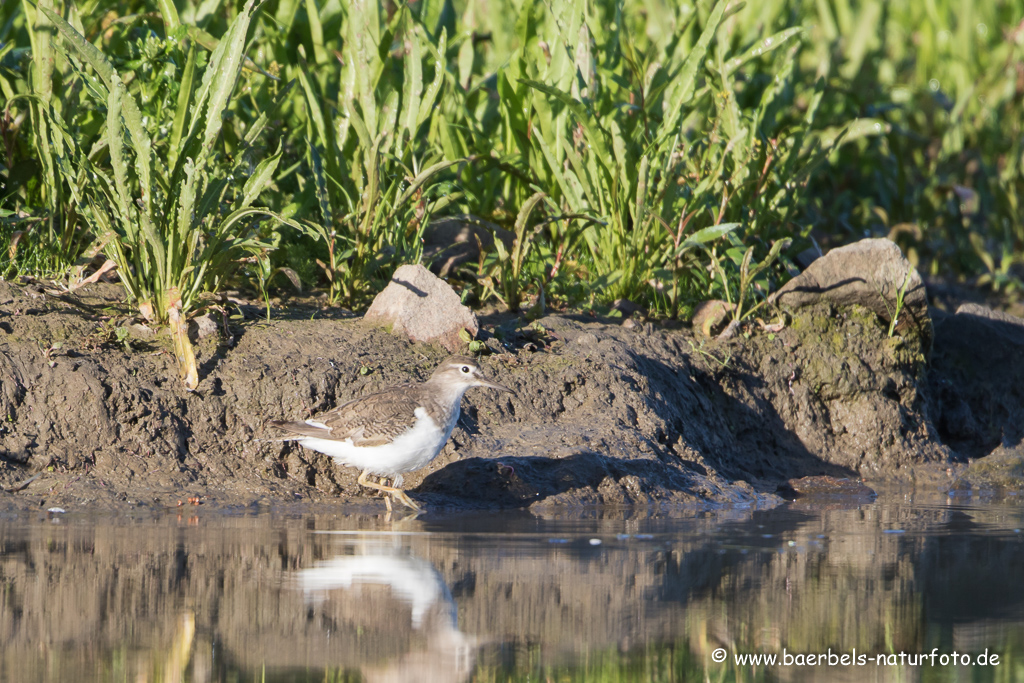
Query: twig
{"type": "Point", "coordinates": [22, 485]}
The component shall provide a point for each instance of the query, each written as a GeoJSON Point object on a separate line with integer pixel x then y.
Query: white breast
{"type": "Point", "coordinates": [410, 451]}
{"type": "Point", "coordinates": [412, 580]}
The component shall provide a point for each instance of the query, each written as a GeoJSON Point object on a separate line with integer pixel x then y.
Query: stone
{"type": "Point", "coordinates": [424, 307]}
{"type": "Point", "coordinates": [976, 380]}
{"type": "Point", "coordinates": [201, 327]}
{"type": "Point", "coordinates": [1012, 328]}
{"type": "Point", "coordinates": [450, 242]}
{"type": "Point", "coordinates": [711, 315]}
{"type": "Point", "coordinates": [826, 486]}
{"type": "Point", "coordinates": [871, 273]}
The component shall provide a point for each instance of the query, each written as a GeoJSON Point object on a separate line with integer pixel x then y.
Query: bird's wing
{"type": "Point", "coordinates": [372, 420]}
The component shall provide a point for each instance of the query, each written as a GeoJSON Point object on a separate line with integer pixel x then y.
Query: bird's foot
{"type": "Point", "coordinates": [400, 496]}
{"type": "Point", "coordinates": [395, 492]}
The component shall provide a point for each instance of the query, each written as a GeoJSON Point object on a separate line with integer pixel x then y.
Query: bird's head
{"type": "Point", "coordinates": [463, 372]}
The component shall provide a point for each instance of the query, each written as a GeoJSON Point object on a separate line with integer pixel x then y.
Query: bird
{"type": "Point", "coordinates": [439, 651]}
{"type": "Point", "coordinates": [394, 431]}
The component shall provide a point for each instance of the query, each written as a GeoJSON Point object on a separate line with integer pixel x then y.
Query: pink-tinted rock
{"type": "Point", "coordinates": [424, 307]}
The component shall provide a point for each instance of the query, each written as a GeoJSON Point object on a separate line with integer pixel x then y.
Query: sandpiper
{"type": "Point", "coordinates": [394, 431]}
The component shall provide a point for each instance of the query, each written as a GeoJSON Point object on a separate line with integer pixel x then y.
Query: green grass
{"type": "Point", "coordinates": [177, 222]}
{"type": "Point", "coordinates": [374, 177]}
{"type": "Point", "coordinates": [651, 150]}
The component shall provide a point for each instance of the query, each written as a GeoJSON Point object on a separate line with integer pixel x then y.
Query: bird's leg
{"type": "Point", "coordinates": [400, 496]}
{"type": "Point", "coordinates": [364, 480]}
{"type": "Point", "coordinates": [397, 493]}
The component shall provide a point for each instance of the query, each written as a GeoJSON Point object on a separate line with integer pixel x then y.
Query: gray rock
{"type": "Point", "coordinates": [452, 241]}
{"type": "Point", "coordinates": [870, 273]}
{"type": "Point", "coordinates": [424, 307]}
{"type": "Point", "coordinates": [202, 327]}
{"type": "Point", "coordinates": [976, 380]}
{"type": "Point", "coordinates": [980, 311]}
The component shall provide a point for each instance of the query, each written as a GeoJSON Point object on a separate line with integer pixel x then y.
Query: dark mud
{"type": "Point", "coordinates": [602, 413]}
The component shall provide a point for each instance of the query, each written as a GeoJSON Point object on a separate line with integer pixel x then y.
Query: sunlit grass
{"type": "Point", "coordinates": [175, 225]}
{"type": "Point", "coordinates": [655, 142]}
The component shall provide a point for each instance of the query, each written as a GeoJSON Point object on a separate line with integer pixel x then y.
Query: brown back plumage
{"type": "Point", "coordinates": [377, 419]}
{"type": "Point", "coordinates": [371, 420]}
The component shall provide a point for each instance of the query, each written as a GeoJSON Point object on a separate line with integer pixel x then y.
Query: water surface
{"type": "Point", "coordinates": [608, 595]}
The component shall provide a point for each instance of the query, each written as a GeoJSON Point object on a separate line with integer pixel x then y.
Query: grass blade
{"type": "Point", "coordinates": [222, 74]}
{"type": "Point", "coordinates": [762, 47]}
{"type": "Point", "coordinates": [260, 178]}
{"type": "Point", "coordinates": [685, 82]}
{"type": "Point", "coordinates": [181, 113]}
{"type": "Point", "coordinates": [595, 135]}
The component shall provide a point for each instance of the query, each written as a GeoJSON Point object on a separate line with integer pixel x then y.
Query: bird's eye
{"type": "Point", "coordinates": [466, 369]}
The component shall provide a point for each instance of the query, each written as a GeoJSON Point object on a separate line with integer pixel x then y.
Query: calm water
{"type": "Point", "coordinates": [610, 595]}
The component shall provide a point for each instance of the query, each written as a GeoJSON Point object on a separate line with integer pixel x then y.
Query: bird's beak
{"type": "Point", "coordinates": [493, 385]}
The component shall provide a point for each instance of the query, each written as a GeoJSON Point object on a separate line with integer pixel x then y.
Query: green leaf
{"type": "Point", "coordinates": [429, 100]}
{"type": "Point", "coordinates": [316, 32]}
{"type": "Point", "coordinates": [321, 187]}
{"type": "Point", "coordinates": [312, 101]}
{"type": "Point", "coordinates": [706, 235]}
{"type": "Point", "coordinates": [412, 92]}
{"type": "Point", "coordinates": [260, 178]}
{"type": "Point", "coordinates": [854, 130]}
{"type": "Point", "coordinates": [181, 112]}
{"type": "Point", "coordinates": [571, 191]}
{"type": "Point", "coordinates": [762, 47]}
{"type": "Point", "coordinates": [745, 267]}
{"type": "Point", "coordinates": [177, 258]}
{"type": "Point", "coordinates": [863, 37]}
{"type": "Point", "coordinates": [170, 16]}
{"type": "Point", "coordinates": [522, 244]}
{"type": "Point", "coordinates": [222, 73]}
{"type": "Point", "coordinates": [516, 115]}
{"type": "Point", "coordinates": [499, 246]}
{"type": "Point", "coordinates": [127, 106]}
{"type": "Point", "coordinates": [583, 176]}
{"type": "Point", "coordinates": [777, 248]}
{"type": "Point", "coordinates": [417, 182]}
{"type": "Point", "coordinates": [259, 125]}
{"type": "Point", "coordinates": [685, 81]}
{"type": "Point", "coordinates": [641, 192]}
{"type": "Point", "coordinates": [596, 136]}
{"type": "Point", "coordinates": [115, 143]}
{"type": "Point", "coordinates": [89, 52]}
{"type": "Point", "coordinates": [466, 57]}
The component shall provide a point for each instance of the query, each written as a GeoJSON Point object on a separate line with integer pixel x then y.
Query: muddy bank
{"type": "Point", "coordinates": [603, 413]}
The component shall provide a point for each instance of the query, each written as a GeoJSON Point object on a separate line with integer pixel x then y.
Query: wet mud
{"type": "Point", "coordinates": [639, 414]}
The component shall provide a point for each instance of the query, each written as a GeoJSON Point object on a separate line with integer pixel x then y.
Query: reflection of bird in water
{"type": "Point", "coordinates": [412, 580]}
{"type": "Point", "coordinates": [445, 653]}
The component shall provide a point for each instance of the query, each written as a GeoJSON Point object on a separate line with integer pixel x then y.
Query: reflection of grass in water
{"type": "Point", "coordinates": [657, 663]}
{"type": "Point", "coordinates": [683, 659]}
{"type": "Point", "coordinates": [335, 676]}
{"type": "Point", "coordinates": [668, 662]}
{"type": "Point", "coordinates": [679, 661]}
{"type": "Point", "coordinates": [1009, 647]}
